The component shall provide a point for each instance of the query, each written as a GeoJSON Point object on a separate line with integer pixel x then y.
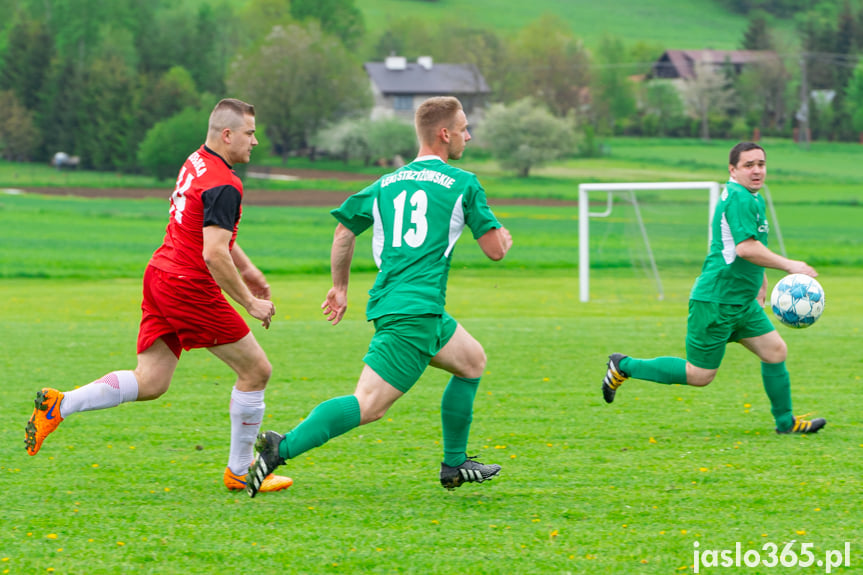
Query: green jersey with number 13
{"type": "Point", "coordinates": [417, 214]}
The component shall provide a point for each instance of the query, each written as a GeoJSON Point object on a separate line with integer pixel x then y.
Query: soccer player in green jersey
{"type": "Point", "coordinates": [727, 301]}
{"type": "Point", "coordinates": [417, 214]}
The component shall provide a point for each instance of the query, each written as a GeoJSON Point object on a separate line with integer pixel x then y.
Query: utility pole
{"type": "Point", "coordinates": [803, 112]}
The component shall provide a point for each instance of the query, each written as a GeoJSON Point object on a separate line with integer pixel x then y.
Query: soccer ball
{"type": "Point", "coordinates": [797, 300]}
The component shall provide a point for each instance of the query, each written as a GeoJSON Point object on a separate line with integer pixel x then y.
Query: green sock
{"type": "Point", "coordinates": [326, 421]}
{"type": "Point", "coordinates": [659, 369]}
{"type": "Point", "coordinates": [456, 413]}
{"type": "Point", "coordinates": [777, 384]}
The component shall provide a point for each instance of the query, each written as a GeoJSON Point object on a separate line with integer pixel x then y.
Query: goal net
{"type": "Point", "coordinates": [637, 225]}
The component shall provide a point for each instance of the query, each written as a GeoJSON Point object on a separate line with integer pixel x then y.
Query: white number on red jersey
{"type": "Point", "coordinates": [178, 198]}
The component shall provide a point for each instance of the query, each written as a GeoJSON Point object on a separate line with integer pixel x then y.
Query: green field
{"type": "Point", "coordinates": [694, 25]}
{"type": "Point", "coordinates": [586, 488]}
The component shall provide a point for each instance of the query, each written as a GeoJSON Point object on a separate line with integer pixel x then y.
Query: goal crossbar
{"type": "Point", "coordinates": [584, 215]}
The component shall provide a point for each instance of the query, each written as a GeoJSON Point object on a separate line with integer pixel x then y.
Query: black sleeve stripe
{"type": "Point", "coordinates": [221, 207]}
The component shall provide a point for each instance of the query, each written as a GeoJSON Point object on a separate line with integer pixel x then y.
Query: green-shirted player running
{"type": "Point", "coordinates": [417, 214]}
{"type": "Point", "coordinates": [727, 301]}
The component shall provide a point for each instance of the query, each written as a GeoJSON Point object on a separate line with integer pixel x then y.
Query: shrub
{"type": "Point", "coordinates": [168, 143]}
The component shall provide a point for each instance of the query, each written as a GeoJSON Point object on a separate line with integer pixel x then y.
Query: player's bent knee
{"type": "Point", "coordinates": [699, 377]}
{"type": "Point", "coordinates": [256, 378]}
{"type": "Point", "coordinates": [371, 413]}
{"type": "Point", "coordinates": [779, 353]}
{"type": "Point", "coordinates": [700, 382]}
{"type": "Point", "coordinates": [475, 366]}
{"type": "Point", "coordinates": [265, 370]}
{"type": "Point", "coordinates": [370, 417]}
{"type": "Point", "coordinates": [148, 390]}
{"type": "Point", "coordinates": [774, 357]}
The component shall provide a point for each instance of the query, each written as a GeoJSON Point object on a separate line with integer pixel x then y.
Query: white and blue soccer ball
{"type": "Point", "coordinates": [797, 300]}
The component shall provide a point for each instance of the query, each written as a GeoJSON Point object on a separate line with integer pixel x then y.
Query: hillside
{"type": "Point", "coordinates": [675, 24]}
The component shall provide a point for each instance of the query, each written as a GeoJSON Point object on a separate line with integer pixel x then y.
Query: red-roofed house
{"type": "Point", "coordinates": [680, 64]}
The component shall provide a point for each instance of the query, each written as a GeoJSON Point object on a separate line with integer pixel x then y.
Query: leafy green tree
{"type": "Point", "coordinates": [74, 26]}
{"type": "Point", "coordinates": [764, 93]}
{"type": "Point", "coordinates": [340, 18]}
{"type": "Point", "coordinates": [817, 39]}
{"type": "Point", "coordinates": [211, 51]}
{"type": "Point", "coordinates": [106, 137]}
{"type": "Point", "coordinates": [299, 79]}
{"type": "Point", "coordinates": [612, 96]}
{"type": "Point", "coordinates": [26, 60]}
{"type": "Point", "coordinates": [844, 48]}
{"type": "Point", "coordinates": [757, 35]}
{"type": "Point", "coordinates": [19, 136]}
{"type": "Point", "coordinates": [175, 90]}
{"type": "Point", "coordinates": [551, 65]}
{"type": "Point", "coordinates": [643, 55]}
{"type": "Point", "coordinates": [116, 42]}
{"type": "Point", "coordinates": [526, 135]}
{"type": "Point", "coordinates": [854, 99]}
{"type": "Point", "coordinates": [7, 7]}
{"type": "Point", "coordinates": [59, 106]}
{"type": "Point", "coordinates": [257, 18]}
{"type": "Point", "coordinates": [487, 50]}
{"type": "Point", "coordinates": [169, 142]}
{"type": "Point", "coordinates": [170, 41]}
{"type": "Point", "coordinates": [409, 36]}
{"type": "Point", "coordinates": [663, 103]}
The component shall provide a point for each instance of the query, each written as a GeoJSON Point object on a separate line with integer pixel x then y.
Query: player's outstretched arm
{"type": "Point", "coordinates": [217, 256]}
{"type": "Point", "coordinates": [754, 251]}
{"type": "Point", "coordinates": [252, 276]}
{"type": "Point", "coordinates": [495, 243]}
{"type": "Point", "coordinates": [336, 304]}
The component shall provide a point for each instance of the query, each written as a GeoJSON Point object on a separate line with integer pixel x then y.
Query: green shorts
{"type": "Point", "coordinates": [403, 346]}
{"type": "Point", "coordinates": [711, 326]}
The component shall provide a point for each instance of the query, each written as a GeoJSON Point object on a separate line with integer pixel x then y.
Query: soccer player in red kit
{"type": "Point", "coordinates": [183, 305]}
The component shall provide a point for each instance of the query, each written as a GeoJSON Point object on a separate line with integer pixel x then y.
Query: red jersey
{"type": "Point", "coordinates": [208, 192]}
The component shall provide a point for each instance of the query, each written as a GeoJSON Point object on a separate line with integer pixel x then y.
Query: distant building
{"type": "Point", "coordinates": [399, 86]}
{"type": "Point", "coordinates": [681, 64]}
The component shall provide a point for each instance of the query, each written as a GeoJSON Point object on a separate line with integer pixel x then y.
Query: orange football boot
{"type": "Point", "coordinates": [45, 419]}
{"type": "Point", "coordinates": [272, 482]}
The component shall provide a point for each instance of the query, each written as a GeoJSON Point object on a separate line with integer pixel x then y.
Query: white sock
{"type": "Point", "coordinates": [109, 391]}
{"type": "Point", "coordinates": [247, 414]}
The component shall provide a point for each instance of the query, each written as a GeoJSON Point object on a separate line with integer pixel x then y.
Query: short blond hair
{"type": "Point", "coordinates": [433, 114]}
{"type": "Point", "coordinates": [229, 113]}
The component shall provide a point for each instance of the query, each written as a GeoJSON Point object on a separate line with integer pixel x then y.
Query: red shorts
{"type": "Point", "coordinates": [186, 313]}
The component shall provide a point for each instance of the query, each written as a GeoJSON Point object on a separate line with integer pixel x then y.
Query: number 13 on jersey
{"type": "Point", "coordinates": [415, 236]}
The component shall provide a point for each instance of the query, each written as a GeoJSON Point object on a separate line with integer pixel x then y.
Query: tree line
{"type": "Point", "coordinates": [122, 83]}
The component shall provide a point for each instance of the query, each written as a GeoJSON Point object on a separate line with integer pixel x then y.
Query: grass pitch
{"type": "Point", "coordinates": [586, 487]}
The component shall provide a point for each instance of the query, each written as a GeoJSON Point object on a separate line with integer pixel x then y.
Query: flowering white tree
{"type": "Point", "coordinates": [709, 91]}
{"type": "Point", "coordinates": [525, 135]}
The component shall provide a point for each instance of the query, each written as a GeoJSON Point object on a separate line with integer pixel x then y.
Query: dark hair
{"type": "Point", "coordinates": [734, 155]}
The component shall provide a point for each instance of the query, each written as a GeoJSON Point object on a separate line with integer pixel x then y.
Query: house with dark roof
{"type": "Point", "coordinates": [399, 86]}
{"type": "Point", "coordinates": [681, 64]}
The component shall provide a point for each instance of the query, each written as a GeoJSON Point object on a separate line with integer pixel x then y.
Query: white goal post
{"type": "Point", "coordinates": [584, 215]}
